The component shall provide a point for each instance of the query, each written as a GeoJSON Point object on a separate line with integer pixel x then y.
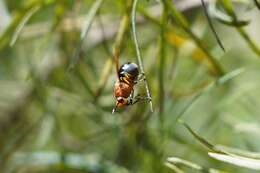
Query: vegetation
{"type": "Point", "coordinates": [201, 63]}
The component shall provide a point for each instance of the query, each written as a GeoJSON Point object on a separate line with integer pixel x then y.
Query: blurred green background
{"type": "Point", "coordinates": [57, 75]}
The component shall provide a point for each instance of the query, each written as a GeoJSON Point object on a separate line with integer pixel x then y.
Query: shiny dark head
{"type": "Point", "coordinates": [128, 73]}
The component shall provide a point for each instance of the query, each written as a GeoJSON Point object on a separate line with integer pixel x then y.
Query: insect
{"type": "Point", "coordinates": [128, 76]}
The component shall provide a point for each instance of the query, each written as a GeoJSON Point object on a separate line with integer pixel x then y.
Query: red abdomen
{"type": "Point", "coordinates": [122, 89]}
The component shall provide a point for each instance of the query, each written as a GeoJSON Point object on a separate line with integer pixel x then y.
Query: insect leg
{"type": "Point", "coordinates": [131, 98]}
{"type": "Point", "coordinates": [139, 98]}
{"type": "Point", "coordinates": [141, 77]}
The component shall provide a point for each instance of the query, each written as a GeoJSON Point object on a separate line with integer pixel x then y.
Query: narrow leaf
{"type": "Point", "coordinates": [237, 160]}
{"type": "Point", "coordinates": [236, 151]}
{"type": "Point", "coordinates": [173, 167]}
{"type": "Point", "coordinates": [201, 139]}
{"type": "Point", "coordinates": [24, 20]}
{"type": "Point", "coordinates": [238, 23]}
{"type": "Point", "coordinates": [178, 161]}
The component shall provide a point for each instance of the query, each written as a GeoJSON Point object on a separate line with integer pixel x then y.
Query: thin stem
{"type": "Point", "coordinates": [211, 25]}
{"type": "Point", "coordinates": [228, 7]}
{"type": "Point", "coordinates": [122, 31]}
{"type": "Point", "coordinates": [138, 53]}
{"type": "Point", "coordinates": [118, 45]}
{"type": "Point", "coordinates": [89, 20]}
{"type": "Point", "coordinates": [162, 56]}
{"type": "Point", "coordinates": [249, 41]}
{"type": "Point", "coordinates": [183, 23]}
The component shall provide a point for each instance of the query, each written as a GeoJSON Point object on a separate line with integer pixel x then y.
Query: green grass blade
{"type": "Point", "coordinates": [203, 141]}
{"type": "Point", "coordinates": [236, 151]}
{"type": "Point", "coordinates": [173, 167]}
{"type": "Point", "coordinates": [23, 22]}
{"type": "Point", "coordinates": [178, 161]}
{"type": "Point", "coordinates": [237, 160]}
